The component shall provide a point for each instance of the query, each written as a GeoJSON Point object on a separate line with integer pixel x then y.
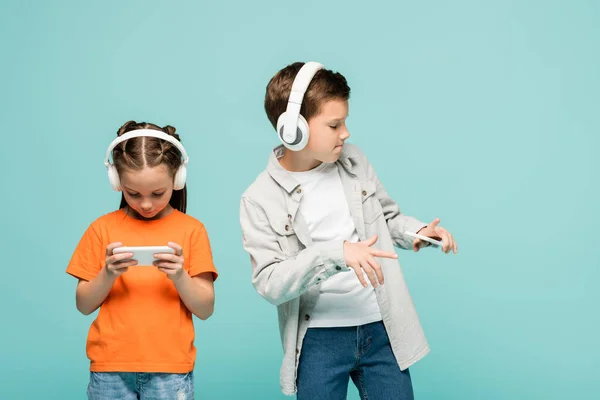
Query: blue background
{"type": "Point", "coordinates": [485, 114]}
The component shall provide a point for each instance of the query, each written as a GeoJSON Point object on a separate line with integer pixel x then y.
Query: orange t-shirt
{"type": "Point", "coordinates": [142, 325]}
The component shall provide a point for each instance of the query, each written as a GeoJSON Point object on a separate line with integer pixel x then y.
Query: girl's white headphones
{"type": "Point", "coordinates": [180, 175]}
{"type": "Point", "coordinates": [292, 127]}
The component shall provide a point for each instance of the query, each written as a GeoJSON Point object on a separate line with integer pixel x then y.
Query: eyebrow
{"type": "Point", "coordinates": [339, 119]}
{"type": "Point", "coordinates": [155, 190]}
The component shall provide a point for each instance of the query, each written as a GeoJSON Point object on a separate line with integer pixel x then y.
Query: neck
{"type": "Point", "coordinates": [135, 215]}
{"type": "Point", "coordinates": [298, 161]}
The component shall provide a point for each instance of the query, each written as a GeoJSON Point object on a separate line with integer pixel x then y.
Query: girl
{"type": "Point", "coordinates": [141, 345]}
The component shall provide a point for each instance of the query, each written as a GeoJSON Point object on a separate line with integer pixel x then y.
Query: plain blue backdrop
{"type": "Point", "coordinates": [482, 113]}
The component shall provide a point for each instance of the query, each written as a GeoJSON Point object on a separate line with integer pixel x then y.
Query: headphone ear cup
{"type": "Point", "coordinates": [280, 125]}
{"type": "Point", "coordinates": [302, 133]}
{"type": "Point", "coordinates": [113, 178]}
{"type": "Point", "coordinates": [180, 177]}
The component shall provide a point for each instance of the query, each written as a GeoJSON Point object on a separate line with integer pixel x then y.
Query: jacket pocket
{"type": "Point", "coordinates": [371, 207]}
{"type": "Point", "coordinates": [286, 236]}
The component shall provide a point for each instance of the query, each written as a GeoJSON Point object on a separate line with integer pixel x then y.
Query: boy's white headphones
{"type": "Point", "coordinates": [113, 174]}
{"type": "Point", "coordinates": [292, 127]}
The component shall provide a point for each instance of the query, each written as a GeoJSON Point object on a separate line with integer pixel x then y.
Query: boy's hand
{"type": "Point", "coordinates": [361, 257]}
{"type": "Point", "coordinates": [438, 233]}
{"type": "Point", "coordinates": [171, 264]}
{"type": "Point", "coordinates": [117, 264]}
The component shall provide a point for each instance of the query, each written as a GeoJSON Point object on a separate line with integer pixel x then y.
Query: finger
{"type": "Point", "coordinates": [371, 241]}
{"type": "Point", "coordinates": [124, 265]}
{"type": "Point", "coordinates": [118, 257]}
{"type": "Point", "coordinates": [451, 241]}
{"type": "Point", "coordinates": [451, 244]}
{"type": "Point", "coordinates": [448, 242]}
{"type": "Point", "coordinates": [128, 261]}
{"type": "Point", "coordinates": [169, 257]}
{"type": "Point", "coordinates": [120, 271]}
{"type": "Point", "coordinates": [383, 254]}
{"type": "Point", "coordinates": [165, 264]}
{"type": "Point", "coordinates": [377, 268]}
{"type": "Point", "coordinates": [167, 271]}
{"type": "Point", "coordinates": [370, 273]}
{"type": "Point", "coordinates": [178, 249]}
{"type": "Point", "coordinates": [417, 245]}
{"type": "Point", "coordinates": [359, 274]}
{"type": "Point", "coordinates": [111, 247]}
{"type": "Point", "coordinates": [434, 224]}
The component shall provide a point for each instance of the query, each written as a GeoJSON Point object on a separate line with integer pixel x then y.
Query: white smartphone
{"type": "Point", "coordinates": [144, 254]}
{"type": "Point", "coordinates": [433, 242]}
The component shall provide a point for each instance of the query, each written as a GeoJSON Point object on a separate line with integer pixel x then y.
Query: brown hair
{"type": "Point", "coordinates": [139, 152]}
{"type": "Point", "coordinates": [326, 85]}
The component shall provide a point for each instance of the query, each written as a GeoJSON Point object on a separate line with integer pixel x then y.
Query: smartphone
{"type": "Point", "coordinates": [433, 242]}
{"type": "Point", "coordinates": [144, 254]}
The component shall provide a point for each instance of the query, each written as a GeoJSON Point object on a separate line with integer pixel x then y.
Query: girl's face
{"type": "Point", "coordinates": [148, 191]}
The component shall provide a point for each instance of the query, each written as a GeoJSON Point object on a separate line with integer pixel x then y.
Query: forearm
{"type": "Point", "coordinates": [197, 296]}
{"type": "Point", "coordinates": [91, 294]}
{"type": "Point", "coordinates": [279, 282]}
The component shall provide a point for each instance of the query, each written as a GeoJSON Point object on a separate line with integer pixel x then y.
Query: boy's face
{"type": "Point", "coordinates": [328, 131]}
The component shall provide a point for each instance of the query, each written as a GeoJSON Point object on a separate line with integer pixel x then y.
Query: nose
{"type": "Point", "coordinates": [345, 134]}
{"type": "Point", "coordinates": [146, 205]}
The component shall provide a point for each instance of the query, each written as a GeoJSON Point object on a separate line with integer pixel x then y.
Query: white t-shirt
{"type": "Point", "coordinates": [343, 301]}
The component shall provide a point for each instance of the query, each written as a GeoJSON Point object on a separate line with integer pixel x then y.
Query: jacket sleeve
{"type": "Point", "coordinates": [275, 276]}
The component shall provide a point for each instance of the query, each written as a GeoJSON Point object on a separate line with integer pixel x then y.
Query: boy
{"type": "Point", "coordinates": [320, 230]}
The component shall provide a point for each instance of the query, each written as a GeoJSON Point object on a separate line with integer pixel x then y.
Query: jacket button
{"type": "Point", "coordinates": [307, 317]}
{"type": "Point", "coordinates": [287, 227]}
{"type": "Point", "coordinates": [299, 190]}
{"type": "Point", "coordinates": [289, 216]}
{"type": "Point", "coordinates": [337, 267]}
{"type": "Point", "coordinates": [364, 192]}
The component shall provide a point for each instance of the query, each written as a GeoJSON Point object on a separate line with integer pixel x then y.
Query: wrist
{"type": "Point", "coordinates": [110, 276]}
{"type": "Point", "coordinates": [180, 278]}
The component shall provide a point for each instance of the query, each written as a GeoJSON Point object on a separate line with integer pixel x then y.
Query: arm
{"type": "Point", "coordinates": [197, 293]}
{"type": "Point", "coordinates": [276, 277]}
{"type": "Point", "coordinates": [89, 295]}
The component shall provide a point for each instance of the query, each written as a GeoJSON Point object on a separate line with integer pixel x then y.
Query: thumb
{"type": "Point", "coordinates": [416, 245]}
{"type": "Point", "coordinates": [434, 224]}
{"type": "Point", "coordinates": [371, 241]}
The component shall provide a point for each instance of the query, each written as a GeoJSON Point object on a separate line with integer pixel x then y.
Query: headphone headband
{"type": "Point", "coordinates": [147, 133]}
{"type": "Point", "coordinates": [299, 87]}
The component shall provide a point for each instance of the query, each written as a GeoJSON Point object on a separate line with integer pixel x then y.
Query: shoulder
{"type": "Point", "coordinates": [107, 220]}
{"type": "Point", "coordinates": [187, 222]}
{"type": "Point", "coordinates": [262, 191]}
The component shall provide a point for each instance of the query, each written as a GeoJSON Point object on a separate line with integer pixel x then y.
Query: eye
{"type": "Point", "coordinates": [333, 126]}
{"type": "Point", "coordinates": [133, 194]}
{"type": "Point", "coordinates": [158, 194]}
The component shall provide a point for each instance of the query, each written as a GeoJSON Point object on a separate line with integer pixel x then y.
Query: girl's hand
{"type": "Point", "coordinates": [117, 264]}
{"type": "Point", "coordinates": [171, 264]}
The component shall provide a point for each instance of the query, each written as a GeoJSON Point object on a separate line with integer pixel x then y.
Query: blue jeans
{"type": "Point", "coordinates": [330, 356]}
{"type": "Point", "coordinates": [138, 385]}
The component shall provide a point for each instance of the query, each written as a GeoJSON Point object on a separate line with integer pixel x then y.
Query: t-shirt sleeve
{"type": "Point", "coordinates": [201, 259]}
{"type": "Point", "coordinates": [89, 255]}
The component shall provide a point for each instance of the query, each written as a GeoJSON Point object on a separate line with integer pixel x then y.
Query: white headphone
{"type": "Point", "coordinates": [113, 174]}
{"type": "Point", "coordinates": [292, 127]}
